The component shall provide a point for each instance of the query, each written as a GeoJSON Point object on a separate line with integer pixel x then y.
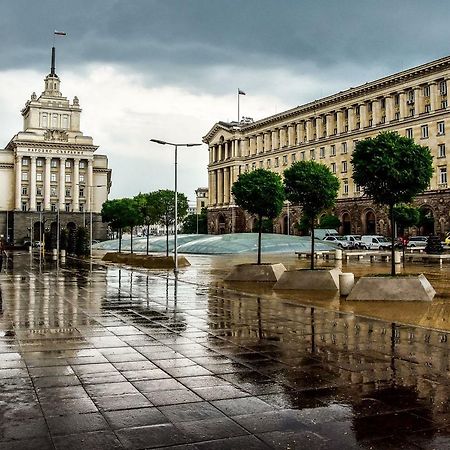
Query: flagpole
{"type": "Point", "coordinates": [238, 105]}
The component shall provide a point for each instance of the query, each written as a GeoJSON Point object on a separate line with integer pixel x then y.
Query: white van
{"type": "Point", "coordinates": [375, 242]}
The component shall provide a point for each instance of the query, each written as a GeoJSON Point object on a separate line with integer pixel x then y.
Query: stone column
{"type": "Point", "coordinates": [351, 118]}
{"type": "Point", "coordinates": [389, 108]}
{"type": "Point", "coordinates": [418, 101]}
{"type": "Point", "coordinates": [90, 183]}
{"type": "Point", "coordinates": [210, 187]}
{"type": "Point", "coordinates": [76, 186]}
{"type": "Point", "coordinates": [237, 148]}
{"type": "Point", "coordinates": [33, 184]}
{"type": "Point", "coordinates": [246, 148]}
{"type": "Point", "coordinates": [18, 205]}
{"type": "Point", "coordinates": [402, 105]}
{"type": "Point", "coordinates": [62, 183]}
{"type": "Point", "coordinates": [309, 133]}
{"type": "Point", "coordinates": [363, 118]}
{"type": "Point", "coordinates": [226, 185]}
{"type": "Point", "coordinates": [259, 143]}
{"type": "Point", "coordinates": [319, 127]}
{"type": "Point", "coordinates": [376, 112]}
{"type": "Point", "coordinates": [282, 137]}
{"type": "Point", "coordinates": [220, 186]}
{"type": "Point", "coordinates": [252, 145]}
{"type": "Point", "coordinates": [226, 150]}
{"type": "Point", "coordinates": [434, 101]}
{"type": "Point", "coordinates": [291, 135]}
{"type": "Point", "coordinates": [299, 129]}
{"type": "Point", "coordinates": [48, 161]}
{"type": "Point", "coordinates": [330, 124]}
{"type": "Point", "coordinates": [274, 139]}
{"type": "Point", "coordinates": [340, 121]}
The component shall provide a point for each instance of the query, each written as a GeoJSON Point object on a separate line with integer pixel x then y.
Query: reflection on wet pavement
{"type": "Point", "coordinates": [117, 358]}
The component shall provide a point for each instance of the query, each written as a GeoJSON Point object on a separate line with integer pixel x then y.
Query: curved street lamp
{"type": "Point", "coordinates": [159, 141]}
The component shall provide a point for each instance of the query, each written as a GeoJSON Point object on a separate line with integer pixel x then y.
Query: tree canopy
{"type": "Point", "coordinates": [391, 169]}
{"type": "Point", "coordinates": [312, 186]}
{"type": "Point", "coordinates": [406, 216]}
{"type": "Point", "coordinates": [260, 192]}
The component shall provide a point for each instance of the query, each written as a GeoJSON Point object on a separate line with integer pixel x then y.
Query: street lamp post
{"type": "Point", "coordinates": [158, 141]}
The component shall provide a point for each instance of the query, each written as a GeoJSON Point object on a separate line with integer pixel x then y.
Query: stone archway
{"type": "Point", "coordinates": [38, 231]}
{"type": "Point", "coordinates": [221, 224]}
{"type": "Point", "coordinates": [369, 222]}
{"type": "Point", "coordinates": [346, 222]}
{"type": "Point", "coordinates": [427, 221]}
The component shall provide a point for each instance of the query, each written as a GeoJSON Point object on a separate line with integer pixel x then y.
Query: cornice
{"type": "Point", "coordinates": [49, 145]}
{"type": "Point", "coordinates": [6, 166]}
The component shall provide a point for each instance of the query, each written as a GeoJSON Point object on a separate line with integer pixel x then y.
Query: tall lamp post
{"type": "Point", "coordinates": [158, 141]}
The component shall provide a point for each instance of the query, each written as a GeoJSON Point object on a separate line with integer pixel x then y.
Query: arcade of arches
{"type": "Point", "coordinates": [357, 217]}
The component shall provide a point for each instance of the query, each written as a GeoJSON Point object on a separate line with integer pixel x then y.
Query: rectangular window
{"type": "Point", "coordinates": [39, 190]}
{"type": "Point", "coordinates": [68, 164]}
{"type": "Point", "coordinates": [344, 167]}
{"type": "Point", "coordinates": [53, 207]}
{"type": "Point", "coordinates": [38, 206]}
{"type": "Point", "coordinates": [441, 150]}
{"type": "Point", "coordinates": [44, 120]}
{"type": "Point", "coordinates": [397, 116]}
{"type": "Point", "coordinates": [333, 150]}
{"type": "Point", "coordinates": [68, 193]}
{"type": "Point", "coordinates": [68, 178]}
{"type": "Point", "coordinates": [312, 154]}
{"type": "Point", "coordinates": [345, 182]}
{"type": "Point", "coordinates": [68, 207]}
{"type": "Point", "coordinates": [254, 166]}
{"type": "Point", "coordinates": [302, 156]}
{"type": "Point", "coordinates": [427, 108]}
{"type": "Point", "coordinates": [443, 87]}
{"type": "Point", "coordinates": [24, 191]}
{"type": "Point", "coordinates": [269, 163]}
{"type": "Point", "coordinates": [441, 128]}
{"type": "Point", "coordinates": [53, 191]}
{"type": "Point", "coordinates": [24, 176]}
{"type": "Point", "coordinates": [333, 167]}
{"type": "Point", "coordinates": [277, 161]}
{"type": "Point", "coordinates": [53, 177]}
{"type": "Point", "coordinates": [443, 175]}
{"type": "Point", "coordinates": [285, 160]}
{"type": "Point", "coordinates": [24, 206]}
{"type": "Point", "coordinates": [424, 131]}
{"type": "Point", "coordinates": [344, 148]}
{"type": "Point", "coordinates": [25, 161]}
{"type": "Point", "coordinates": [426, 91]}
{"type": "Point", "coordinates": [81, 207]}
{"type": "Point", "coordinates": [293, 157]}
{"type": "Point", "coordinates": [39, 162]}
{"type": "Point", "coordinates": [444, 104]}
{"type": "Point", "coordinates": [409, 133]}
{"type": "Point", "coordinates": [411, 112]}
{"type": "Point", "coordinates": [357, 189]}
{"type": "Point", "coordinates": [261, 164]}
{"type": "Point", "coordinates": [246, 169]}
{"type": "Point", "coordinates": [370, 122]}
{"type": "Point", "coordinates": [65, 122]}
{"type": "Point", "coordinates": [39, 176]}
{"type": "Point", "coordinates": [322, 152]}
{"type": "Point", "coordinates": [82, 165]}
{"type": "Point", "coordinates": [54, 163]}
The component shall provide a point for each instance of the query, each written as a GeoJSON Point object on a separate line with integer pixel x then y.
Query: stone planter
{"type": "Point", "coordinates": [149, 262]}
{"type": "Point", "coordinates": [310, 280]}
{"type": "Point", "coordinates": [257, 272]}
{"type": "Point", "coordinates": [399, 288]}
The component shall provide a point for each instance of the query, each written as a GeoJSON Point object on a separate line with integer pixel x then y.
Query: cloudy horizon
{"type": "Point", "coordinates": [170, 69]}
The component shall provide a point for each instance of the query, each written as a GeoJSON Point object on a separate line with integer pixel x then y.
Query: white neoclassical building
{"type": "Point", "coordinates": [50, 168]}
{"type": "Point", "coordinates": [413, 103]}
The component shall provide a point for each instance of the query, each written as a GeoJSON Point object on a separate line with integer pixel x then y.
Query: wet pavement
{"type": "Point", "coordinates": [95, 357]}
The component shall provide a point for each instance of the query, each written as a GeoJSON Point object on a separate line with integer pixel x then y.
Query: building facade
{"type": "Point", "coordinates": [201, 199]}
{"type": "Point", "coordinates": [413, 103]}
{"type": "Point", "coordinates": [50, 169]}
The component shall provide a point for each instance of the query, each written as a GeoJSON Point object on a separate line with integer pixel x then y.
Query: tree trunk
{"type": "Point", "coordinates": [391, 214]}
{"type": "Point", "coordinates": [131, 244]}
{"type": "Point", "coordinates": [312, 244]}
{"type": "Point", "coordinates": [259, 239]}
{"type": "Point", "coordinates": [120, 240]}
{"type": "Point", "coordinates": [148, 232]}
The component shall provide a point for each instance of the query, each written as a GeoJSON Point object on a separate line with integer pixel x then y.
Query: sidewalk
{"type": "Point", "coordinates": [115, 358]}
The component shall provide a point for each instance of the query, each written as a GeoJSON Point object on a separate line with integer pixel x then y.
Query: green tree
{"type": "Point", "coordinates": [192, 222]}
{"type": "Point", "coordinates": [147, 205]}
{"type": "Point", "coordinates": [406, 216]}
{"type": "Point", "coordinates": [260, 192]}
{"type": "Point", "coordinates": [314, 188]}
{"type": "Point", "coordinates": [82, 241]}
{"type": "Point", "coordinates": [392, 169]}
{"type": "Point", "coordinates": [329, 221]}
{"type": "Point", "coordinates": [165, 199]}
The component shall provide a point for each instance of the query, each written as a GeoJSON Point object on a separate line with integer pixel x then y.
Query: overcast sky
{"type": "Point", "coordinates": [169, 69]}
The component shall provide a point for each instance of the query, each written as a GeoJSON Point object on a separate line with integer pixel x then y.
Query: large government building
{"type": "Point", "coordinates": [413, 103]}
{"type": "Point", "coordinates": [50, 170]}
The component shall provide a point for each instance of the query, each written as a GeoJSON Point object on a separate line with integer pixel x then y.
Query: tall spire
{"type": "Point", "coordinates": [52, 69]}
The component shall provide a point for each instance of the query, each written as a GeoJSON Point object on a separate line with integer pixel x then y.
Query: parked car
{"type": "Point", "coordinates": [417, 241]}
{"type": "Point", "coordinates": [375, 242]}
{"type": "Point", "coordinates": [340, 241]}
{"type": "Point", "coordinates": [354, 240]}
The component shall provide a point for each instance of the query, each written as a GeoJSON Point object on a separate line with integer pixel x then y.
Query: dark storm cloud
{"type": "Point", "coordinates": [188, 42]}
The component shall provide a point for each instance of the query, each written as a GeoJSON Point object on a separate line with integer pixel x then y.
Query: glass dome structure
{"type": "Point", "coordinates": [208, 244]}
